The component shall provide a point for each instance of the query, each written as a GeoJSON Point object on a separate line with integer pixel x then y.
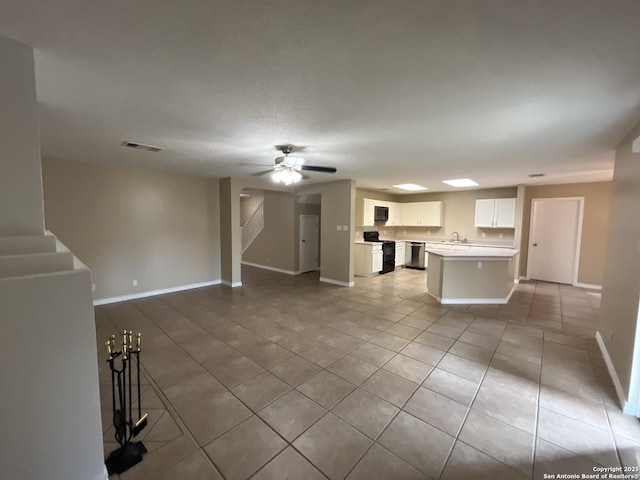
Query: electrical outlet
{"type": "Point", "coordinates": [93, 287]}
{"type": "Point", "coordinates": [404, 231]}
{"type": "Point", "coordinates": [428, 232]}
{"type": "Point", "coordinates": [501, 235]}
{"type": "Point", "coordinates": [268, 259]}
{"type": "Point", "coordinates": [484, 235]}
{"type": "Point", "coordinates": [135, 283]}
{"type": "Point", "coordinates": [479, 264]}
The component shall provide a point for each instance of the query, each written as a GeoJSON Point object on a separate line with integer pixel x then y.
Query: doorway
{"type": "Point", "coordinates": [554, 239]}
{"type": "Point", "coordinates": [309, 243]}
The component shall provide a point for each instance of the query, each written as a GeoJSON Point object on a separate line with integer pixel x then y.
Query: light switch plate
{"type": "Point", "coordinates": [338, 227]}
{"type": "Point", "coordinates": [345, 228]}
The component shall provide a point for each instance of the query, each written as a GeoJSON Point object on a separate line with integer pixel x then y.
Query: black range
{"type": "Point", "coordinates": [388, 251]}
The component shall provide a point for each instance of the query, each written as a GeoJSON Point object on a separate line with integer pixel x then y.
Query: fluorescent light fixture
{"type": "Point", "coordinates": [409, 186]}
{"type": "Point", "coordinates": [461, 182]}
{"type": "Point", "coordinates": [244, 195]}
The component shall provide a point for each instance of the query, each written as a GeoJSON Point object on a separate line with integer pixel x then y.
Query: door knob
{"type": "Point", "coordinates": [303, 240]}
{"type": "Point", "coordinates": [535, 244]}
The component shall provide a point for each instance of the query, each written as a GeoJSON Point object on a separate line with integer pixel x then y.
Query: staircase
{"type": "Point", "coordinates": [33, 255]}
{"type": "Point", "coordinates": [253, 227]}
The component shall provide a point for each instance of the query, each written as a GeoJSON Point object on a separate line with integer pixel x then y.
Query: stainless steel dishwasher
{"type": "Point", "coordinates": [416, 260]}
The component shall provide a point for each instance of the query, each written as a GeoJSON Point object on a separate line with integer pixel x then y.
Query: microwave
{"type": "Point", "coordinates": [381, 214]}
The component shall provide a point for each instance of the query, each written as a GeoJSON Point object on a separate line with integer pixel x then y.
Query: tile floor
{"type": "Point", "coordinates": [287, 378]}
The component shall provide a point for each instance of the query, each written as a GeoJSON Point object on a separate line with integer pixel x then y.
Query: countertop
{"type": "Point", "coordinates": [484, 252]}
{"type": "Point", "coordinates": [473, 243]}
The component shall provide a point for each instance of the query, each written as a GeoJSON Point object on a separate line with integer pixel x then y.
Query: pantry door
{"type": "Point", "coordinates": [554, 239]}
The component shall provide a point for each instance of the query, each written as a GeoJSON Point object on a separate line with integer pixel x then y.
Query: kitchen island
{"type": "Point", "coordinates": [470, 275]}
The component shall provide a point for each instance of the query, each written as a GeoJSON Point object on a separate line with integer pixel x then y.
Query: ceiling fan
{"type": "Point", "coordinates": [287, 168]}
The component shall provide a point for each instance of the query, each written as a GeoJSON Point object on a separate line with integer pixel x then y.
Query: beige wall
{"type": "Point", "coordinates": [336, 247]}
{"type": "Point", "coordinates": [621, 286]}
{"type": "Point", "coordinates": [127, 224]}
{"type": "Point", "coordinates": [459, 214]}
{"type": "Point", "coordinates": [597, 204]}
{"type": "Point", "coordinates": [275, 246]}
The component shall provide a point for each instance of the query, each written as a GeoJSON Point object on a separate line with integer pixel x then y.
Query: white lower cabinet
{"type": "Point", "coordinates": [376, 261]}
{"type": "Point", "coordinates": [368, 259]}
{"type": "Point", "coordinates": [400, 254]}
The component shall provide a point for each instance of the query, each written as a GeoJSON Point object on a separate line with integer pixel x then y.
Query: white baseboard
{"type": "Point", "coordinates": [273, 269]}
{"type": "Point", "coordinates": [522, 278]}
{"type": "Point", "coordinates": [588, 285]}
{"type": "Point", "coordinates": [151, 293]}
{"type": "Point", "coordinates": [231, 284]}
{"type": "Point", "coordinates": [337, 282]}
{"type": "Point", "coordinates": [612, 373]}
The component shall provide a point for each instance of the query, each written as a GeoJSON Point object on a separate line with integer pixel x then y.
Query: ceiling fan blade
{"type": "Point", "coordinates": [264, 172]}
{"type": "Point", "coordinates": [313, 168]}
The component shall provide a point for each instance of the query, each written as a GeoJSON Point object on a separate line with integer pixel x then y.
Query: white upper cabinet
{"type": "Point", "coordinates": [432, 213]}
{"type": "Point", "coordinates": [422, 214]}
{"type": "Point", "coordinates": [496, 213]}
{"type": "Point", "coordinates": [414, 214]}
{"type": "Point", "coordinates": [395, 214]}
{"type": "Point", "coordinates": [368, 212]}
{"type": "Point", "coordinates": [410, 214]}
{"type": "Point", "coordinates": [506, 213]}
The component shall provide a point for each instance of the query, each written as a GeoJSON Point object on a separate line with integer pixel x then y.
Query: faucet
{"type": "Point", "coordinates": [456, 238]}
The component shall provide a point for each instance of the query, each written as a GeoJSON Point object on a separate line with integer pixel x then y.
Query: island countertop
{"type": "Point", "coordinates": [472, 253]}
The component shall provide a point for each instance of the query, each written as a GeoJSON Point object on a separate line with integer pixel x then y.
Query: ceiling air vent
{"type": "Point", "coordinates": [142, 146]}
{"type": "Point", "coordinates": [534, 175]}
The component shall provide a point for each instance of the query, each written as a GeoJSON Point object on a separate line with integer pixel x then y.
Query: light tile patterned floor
{"type": "Point", "coordinates": [287, 378]}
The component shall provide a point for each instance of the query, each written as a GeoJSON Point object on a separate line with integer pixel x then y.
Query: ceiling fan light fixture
{"type": "Point", "coordinates": [286, 174]}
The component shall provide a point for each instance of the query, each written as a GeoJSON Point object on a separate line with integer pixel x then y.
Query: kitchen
{"type": "Point", "coordinates": [466, 238]}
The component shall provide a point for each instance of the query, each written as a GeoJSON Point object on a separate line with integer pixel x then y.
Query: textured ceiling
{"type": "Point", "coordinates": [385, 91]}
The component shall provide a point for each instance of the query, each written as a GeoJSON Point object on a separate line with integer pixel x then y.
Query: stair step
{"type": "Point", "coordinates": [25, 244]}
{"type": "Point", "coordinates": [35, 264]}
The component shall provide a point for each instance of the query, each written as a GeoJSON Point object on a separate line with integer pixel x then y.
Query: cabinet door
{"type": "Point", "coordinates": [411, 214]}
{"type": "Point", "coordinates": [376, 261]}
{"type": "Point", "coordinates": [484, 213]}
{"type": "Point", "coordinates": [505, 213]}
{"type": "Point", "coordinates": [367, 213]}
{"type": "Point", "coordinates": [400, 254]}
{"type": "Point", "coordinates": [431, 214]}
{"type": "Point", "coordinates": [393, 214]}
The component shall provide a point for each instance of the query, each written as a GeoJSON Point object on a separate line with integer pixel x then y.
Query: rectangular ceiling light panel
{"type": "Point", "coordinates": [461, 182]}
{"type": "Point", "coordinates": [409, 186]}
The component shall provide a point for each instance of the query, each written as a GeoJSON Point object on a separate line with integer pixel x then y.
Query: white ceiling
{"type": "Point", "coordinates": [385, 91]}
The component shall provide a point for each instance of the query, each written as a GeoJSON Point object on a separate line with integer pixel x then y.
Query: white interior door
{"type": "Point", "coordinates": [554, 239]}
{"type": "Point", "coordinates": [309, 240]}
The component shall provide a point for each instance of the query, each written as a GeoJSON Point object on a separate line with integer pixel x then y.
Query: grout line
{"type": "Point", "coordinates": [229, 300]}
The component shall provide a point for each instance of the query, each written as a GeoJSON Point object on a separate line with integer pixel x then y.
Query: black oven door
{"type": "Point", "coordinates": [388, 257]}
